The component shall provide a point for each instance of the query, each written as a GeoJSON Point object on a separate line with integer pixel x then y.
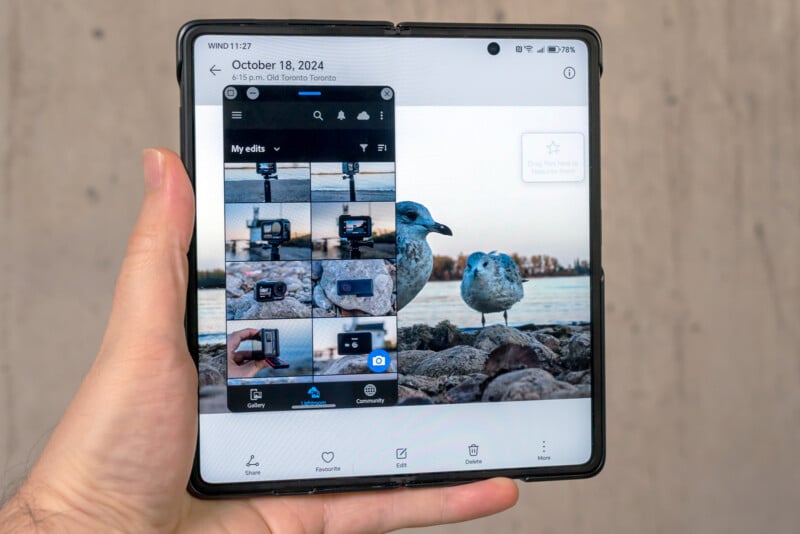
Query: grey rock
{"type": "Point", "coordinates": [442, 336]}
{"type": "Point", "coordinates": [426, 384]}
{"type": "Point", "coordinates": [233, 286]}
{"type": "Point", "coordinates": [247, 308]}
{"type": "Point", "coordinates": [527, 384]}
{"type": "Point", "coordinates": [407, 396]}
{"type": "Point", "coordinates": [493, 336]}
{"type": "Point", "coordinates": [293, 284]}
{"type": "Point", "coordinates": [578, 354]}
{"type": "Point", "coordinates": [316, 270]}
{"type": "Point", "coordinates": [545, 356]}
{"type": "Point", "coordinates": [380, 303]}
{"type": "Point", "coordinates": [209, 377]}
{"type": "Point", "coordinates": [469, 390]}
{"type": "Point", "coordinates": [409, 359]}
{"type": "Point", "coordinates": [514, 357]}
{"type": "Point", "coordinates": [353, 365]}
{"type": "Point", "coordinates": [580, 391]}
{"type": "Point", "coordinates": [551, 342]}
{"type": "Point", "coordinates": [459, 360]}
{"type": "Point", "coordinates": [320, 300]}
{"type": "Point", "coordinates": [577, 377]}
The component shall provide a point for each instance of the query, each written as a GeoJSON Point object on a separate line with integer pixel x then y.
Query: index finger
{"type": "Point", "coordinates": [384, 511]}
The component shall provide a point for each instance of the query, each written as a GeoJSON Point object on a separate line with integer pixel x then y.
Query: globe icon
{"type": "Point", "coordinates": [370, 390]}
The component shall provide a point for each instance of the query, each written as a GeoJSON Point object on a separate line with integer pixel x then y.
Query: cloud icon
{"type": "Point", "coordinates": [363, 116]}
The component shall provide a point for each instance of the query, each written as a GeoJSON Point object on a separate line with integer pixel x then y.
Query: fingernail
{"type": "Point", "coordinates": [153, 168]}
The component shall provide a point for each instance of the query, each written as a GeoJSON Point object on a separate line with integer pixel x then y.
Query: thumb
{"type": "Point", "coordinates": [150, 297]}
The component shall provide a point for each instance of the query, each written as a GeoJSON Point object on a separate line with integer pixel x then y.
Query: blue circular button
{"type": "Point", "coordinates": [378, 361]}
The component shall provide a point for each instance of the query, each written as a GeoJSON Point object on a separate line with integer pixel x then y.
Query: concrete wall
{"type": "Point", "coordinates": [701, 116]}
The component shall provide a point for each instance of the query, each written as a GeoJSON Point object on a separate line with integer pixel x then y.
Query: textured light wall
{"type": "Point", "coordinates": [701, 203]}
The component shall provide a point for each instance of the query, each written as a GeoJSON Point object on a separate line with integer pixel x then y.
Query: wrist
{"type": "Point", "coordinates": [22, 513]}
{"type": "Point", "coordinates": [34, 508]}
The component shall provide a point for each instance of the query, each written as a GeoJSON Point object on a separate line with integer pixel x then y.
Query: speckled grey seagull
{"type": "Point", "coordinates": [491, 283]}
{"type": "Point", "coordinates": [414, 255]}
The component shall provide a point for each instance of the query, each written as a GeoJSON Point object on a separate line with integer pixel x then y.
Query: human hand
{"type": "Point", "coordinates": [244, 365]}
{"type": "Point", "coordinates": [120, 458]}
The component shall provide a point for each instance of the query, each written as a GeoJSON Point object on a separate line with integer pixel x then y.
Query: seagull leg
{"type": "Point", "coordinates": [483, 321]}
{"type": "Point", "coordinates": [505, 316]}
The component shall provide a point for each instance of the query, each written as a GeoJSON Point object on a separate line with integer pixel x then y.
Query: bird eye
{"type": "Point", "coordinates": [486, 264]}
{"type": "Point", "coordinates": [412, 215]}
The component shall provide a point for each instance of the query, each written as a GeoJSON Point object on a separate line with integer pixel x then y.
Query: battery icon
{"type": "Point", "coordinates": [552, 49]}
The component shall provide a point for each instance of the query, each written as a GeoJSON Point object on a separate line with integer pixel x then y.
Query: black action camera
{"type": "Point", "coordinates": [270, 349]}
{"type": "Point", "coordinates": [361, 287]}
{"type": "Point", "coordinates": [350, 168]}
{"type": "Point", "coordinates": [355, 227]}
{"type": "Point", "coordinates": [269, 291]}
{"type": "Point", "coordinates": [267, 170]}
{"type": "Point", "coordinates": [276, 231]}
{"type": "Point", "coordinates": [354, 343]}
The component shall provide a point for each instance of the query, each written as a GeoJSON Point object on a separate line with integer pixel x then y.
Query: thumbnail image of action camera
{"type": "Point", "coordinates": [357, 230]}
{"type": "Point", "coordinates": [349, 171]}
{"type": "Point", "coordinates": [270, 349]}
{"type": "Point", "coordinates": [269, 291]}
{"type": "Point", "coordinates": [361, 287]}
{"type": "Point", "coordinates": [268, 171]}
{"type": "Point", "coordinates": [354, 343]}
{"type": "Point", "coordinates": [276, 232]}
{"type": "Point", "coordinates": [355, 227]}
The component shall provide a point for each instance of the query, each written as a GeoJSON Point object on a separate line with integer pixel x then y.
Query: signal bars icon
{"type": "Point", "coordinates": [528, 49]}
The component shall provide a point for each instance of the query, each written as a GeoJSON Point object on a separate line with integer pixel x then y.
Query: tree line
{"type": "Point", "coordinates": [446, 268]}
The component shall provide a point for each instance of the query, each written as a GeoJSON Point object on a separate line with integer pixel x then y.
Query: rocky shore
{"type": "Point", "coordinates": [327, 301]}
{"type": "Point", "coordinates": [212, 370]}
{"type": "Point", "coordinates": [240, 280]}
{"type": "Point", "coordinates": [443, 365]}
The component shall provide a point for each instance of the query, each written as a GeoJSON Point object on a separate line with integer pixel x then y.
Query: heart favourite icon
{"type": "Point", "coordinates": [327, 456]}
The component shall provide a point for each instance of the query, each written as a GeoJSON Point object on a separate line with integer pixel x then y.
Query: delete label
{"type": "Point", "coordinates": [552, 157]}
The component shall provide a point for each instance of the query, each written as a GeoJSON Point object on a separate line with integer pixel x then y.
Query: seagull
{"type": "Point", "coordinates": [414, 255]}
{"type": "Point", "coordinates": [491, 283]}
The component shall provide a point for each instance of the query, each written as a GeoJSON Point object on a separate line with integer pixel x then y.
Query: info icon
{"type": "Point", "coordinates": [378, 361]}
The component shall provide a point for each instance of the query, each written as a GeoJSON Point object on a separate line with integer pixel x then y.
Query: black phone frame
{"type": "Point", "coordinates": [185, 73]}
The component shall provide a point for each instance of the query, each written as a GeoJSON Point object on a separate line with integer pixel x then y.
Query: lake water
{"type": "Point", "coordinates": [211, 316]}
{"type": "Point", "coordinates": [284, 173]}
{"type": "Point", "coordinates": [554, 300]}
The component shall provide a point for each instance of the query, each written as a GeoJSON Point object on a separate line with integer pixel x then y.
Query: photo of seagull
{"type": "Point", "coordinates": [414, 255]}
{"type": "Point", "coordinates": [491, 283]}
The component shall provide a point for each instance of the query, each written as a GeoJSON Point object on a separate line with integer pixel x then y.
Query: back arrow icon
{"type": "Point", "coordinates": [214, 70]}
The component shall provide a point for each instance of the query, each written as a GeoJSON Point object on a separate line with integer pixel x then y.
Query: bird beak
{"type": "Point", "coordinates": [441, 229]}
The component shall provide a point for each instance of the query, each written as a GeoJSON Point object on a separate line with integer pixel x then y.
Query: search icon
{"type": "Point", "coordinates": [318, 115]}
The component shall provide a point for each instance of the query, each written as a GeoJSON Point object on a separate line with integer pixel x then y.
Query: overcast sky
{"type": "Point", "coordinates": [237, 215]}
{"type": "Point", "coordinates": [463, 163]}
